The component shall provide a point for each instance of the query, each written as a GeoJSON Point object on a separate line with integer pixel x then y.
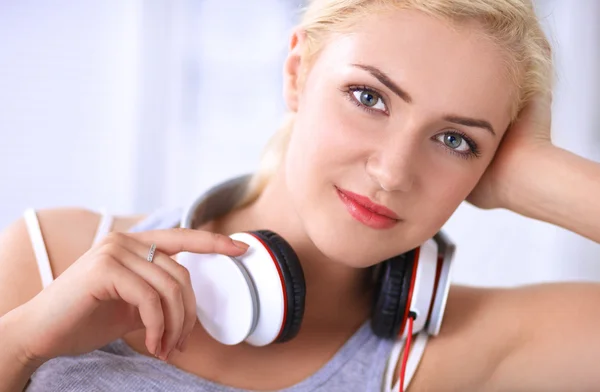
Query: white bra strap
{"type": "Point", "coordinates": [414, 358]}
{"type": "Point", "coordinates": [39, 247]}
{"type": "Point", "coordinates": [104, 227]}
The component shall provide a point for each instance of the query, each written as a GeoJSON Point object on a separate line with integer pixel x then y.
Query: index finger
{"type": "Point", "coordinates": [173, 241]}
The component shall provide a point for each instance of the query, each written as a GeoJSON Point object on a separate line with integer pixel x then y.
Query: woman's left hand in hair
{"type": "Point", "coordinates": [526, 141]}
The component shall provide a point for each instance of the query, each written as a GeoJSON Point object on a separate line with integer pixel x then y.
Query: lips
{"type": "Point", "coordinates": [367, 212]}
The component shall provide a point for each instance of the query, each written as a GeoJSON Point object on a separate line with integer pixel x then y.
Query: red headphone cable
{"type": "Point", "coordinates": [411, 319]}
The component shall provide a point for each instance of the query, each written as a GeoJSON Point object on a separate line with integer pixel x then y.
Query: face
{"type": "Point", "coordinates": [395, 124]}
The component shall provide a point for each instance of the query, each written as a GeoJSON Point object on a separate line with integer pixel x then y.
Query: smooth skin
{"type": "Point", "coordinates": [403, 149]}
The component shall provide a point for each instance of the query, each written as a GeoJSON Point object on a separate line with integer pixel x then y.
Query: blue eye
{"type": "Point", "coordinates": [367, 99]}
{"type": "Point", "coordinates": [455, 141]}
{"type": "Point", "coordinates": [459, 144]}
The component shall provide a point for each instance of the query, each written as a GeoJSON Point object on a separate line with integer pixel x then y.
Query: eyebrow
{"type": "Point", "coordinates": [384, 79]}
{"type": "Point", "coordinates": [471, 122]}
{"type": "Point", "coordinates": [387, 81]}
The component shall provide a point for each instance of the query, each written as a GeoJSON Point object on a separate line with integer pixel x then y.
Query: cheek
{"type": "Point", "coordinates": [446, 190]}
{"type": "Point", "coordinates": [326, 134]}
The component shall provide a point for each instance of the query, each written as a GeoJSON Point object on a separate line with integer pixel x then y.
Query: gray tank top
{"type": "Point", "coordinates": [358, 366]}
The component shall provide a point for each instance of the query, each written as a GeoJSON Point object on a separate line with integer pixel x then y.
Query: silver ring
{"type": "Point", "coordinates": [151, 253]}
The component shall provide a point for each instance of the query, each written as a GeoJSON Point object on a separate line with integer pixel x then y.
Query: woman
{"type": "Point", "coordinates": [405, 102]}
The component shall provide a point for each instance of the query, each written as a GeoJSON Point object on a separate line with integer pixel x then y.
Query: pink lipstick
{"type": "Point", "coordinates": [366, 211]}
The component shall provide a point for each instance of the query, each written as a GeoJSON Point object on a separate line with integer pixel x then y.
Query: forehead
{"type": "Point", "coordinates": [443, 66]}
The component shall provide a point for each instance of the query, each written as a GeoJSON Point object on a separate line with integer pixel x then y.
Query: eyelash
{"type": "Point", "coordinates": [348, 93]}
{"type": "Point", "coordinates": [473, 148]}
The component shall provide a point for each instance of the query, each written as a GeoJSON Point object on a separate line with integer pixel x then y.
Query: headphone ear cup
{"type": "Point", "coordinates": [293, 282]}
{"type": "Point", "coordinates": [392, 292]}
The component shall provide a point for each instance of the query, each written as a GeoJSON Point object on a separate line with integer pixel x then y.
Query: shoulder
{"type": "Point", "coordinates": [476, 333]}
{"type": "Point", "coordinates": [488, 334]}
{"type": "Point", "coordinates": [67, 234]}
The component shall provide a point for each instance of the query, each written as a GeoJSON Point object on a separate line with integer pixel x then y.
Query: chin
{"type": "Point", "coordinates": [344, 245]}
{"type": "Point", "coordinates": [348, 256]}
{"type": "Point", "coordinates": [345, 241]}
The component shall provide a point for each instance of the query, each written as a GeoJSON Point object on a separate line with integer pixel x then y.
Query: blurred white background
{"type": "Point", "coordinates": [137, 105]}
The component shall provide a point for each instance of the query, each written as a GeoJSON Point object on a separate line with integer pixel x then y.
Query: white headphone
{"type": "Point", "coordinates": [258, 298]}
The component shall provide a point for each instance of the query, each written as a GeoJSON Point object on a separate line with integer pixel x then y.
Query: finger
{"type": "Point", "coordinates": [187, 315]}
{"type": "Point", "coordinates": [173, 241]}
{"type": "Point", "coordinates": [167, 286]}
{"type": "Point", "coordinates": [182, 276]}
{"type": "Point", "coordinates": [134, 290]}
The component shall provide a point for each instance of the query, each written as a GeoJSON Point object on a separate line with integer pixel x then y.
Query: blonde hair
{"type": "Point", "coordinates": [512, 24]}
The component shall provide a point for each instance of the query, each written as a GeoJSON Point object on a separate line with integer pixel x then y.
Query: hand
{"type": "Point", "coordinates": [527, 138]}
{"type": "Point", "coordinates": [112, 290]}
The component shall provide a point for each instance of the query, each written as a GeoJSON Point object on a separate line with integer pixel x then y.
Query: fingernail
{"type": "Point", "coordinates": [241, 245]}
{"type": "Point", "coordinates": [157, 353]}
{"type": "Point", "coordinates": [165, 356]}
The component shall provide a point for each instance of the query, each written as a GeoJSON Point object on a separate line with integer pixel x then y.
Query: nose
{"type": "Point", "coordinates": [393, 167]}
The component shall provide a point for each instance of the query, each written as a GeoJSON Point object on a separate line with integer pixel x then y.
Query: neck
{"type": "Point", "coordinates": [338, 296]}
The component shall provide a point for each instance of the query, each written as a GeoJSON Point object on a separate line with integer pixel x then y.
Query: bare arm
{"type": "Point", "coordinates": [15, 366]}
{"type": "Point", "coordinates": [542, 338]}
{"type": "Point", "coordinates": [68, 233]}
{"type": "Point", "coordinates": [474, 338]}
{"type": "Point", "coordinates": [561, 188]}
{"type": "Point", "coordinates": [558, 348]}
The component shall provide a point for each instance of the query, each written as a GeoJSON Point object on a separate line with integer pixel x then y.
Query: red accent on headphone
{"type": "Point", "coordinates": [412, 287]}
{"type": "Point", "coordinates": [438, 272]}
{"type": "Point", "coordinates": [281, 279]}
